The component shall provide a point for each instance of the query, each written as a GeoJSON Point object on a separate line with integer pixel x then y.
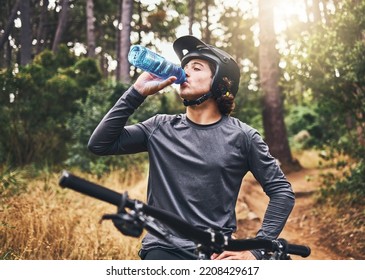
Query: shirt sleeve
{"type": "Point", "coordinates": [268, 173]}
{"type": "Point", "coordinates": [112, 136]}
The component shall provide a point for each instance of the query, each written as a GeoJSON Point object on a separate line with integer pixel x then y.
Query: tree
{"type": "Point", "coordinates": [90, 28]}
{"type": "Point", "coordinates": [236, 35]}
{"type": "Point", "coordinates": [62, 24]}
{"type": "Point", "coordinates": [10, 24]}
{"type": "Point", "coordinates": [124, 42]}
{"type": "Point", "coordinates": [206, 31]}
{"type": "Point", "coordinates": [37, 102]}
{"type": "Point", "coordinates": [42, 27]}
{"type": "Point", "coordinates": [337, 71]}
{"type": "Point", "coordinates": [273, 115]}
{"type": "Point", "coordinates": [316, 11]}
{"type": "Point", "coordinates": [26, 33]}
{"type": "Point", "coordinates": [191, 15]}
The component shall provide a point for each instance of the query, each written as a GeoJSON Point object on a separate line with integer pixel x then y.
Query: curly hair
{"type": "Point", "coordinates": [226, 102]}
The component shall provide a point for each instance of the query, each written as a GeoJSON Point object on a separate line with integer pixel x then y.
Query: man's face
{"type": "Point", "coordinates": [198, 79]}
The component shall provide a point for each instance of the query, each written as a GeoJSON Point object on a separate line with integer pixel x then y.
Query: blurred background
{"type": "Point", "coordinates": [63, 64]}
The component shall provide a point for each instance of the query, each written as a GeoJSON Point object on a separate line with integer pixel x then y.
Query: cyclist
{"type": "Point", "coordinates": [197, 160]}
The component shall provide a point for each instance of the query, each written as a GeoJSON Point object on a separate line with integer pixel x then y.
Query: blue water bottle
{"type": "Point", "coordinates": [151, 62]}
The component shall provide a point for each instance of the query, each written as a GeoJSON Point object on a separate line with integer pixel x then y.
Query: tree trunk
{"type": "Point", "coordinates": [191, 15]}
{"type": "Point", "coordinates": [206, 31]}
{"type": "Point", "coordinates": [326, 12]}
{"type": "Point", "coordinates": [90, 28]}
{"type": "Point", "coordinates": [317, 17]}
{"type": "Point", "coordinates": [25, 33]}
{"type": "Point", "coordinates": [42, 27]}
{"type": "Point", "coordinates": [9, 54]}
{"type": "Point", "coordinates": [62, 23]}
{"type": "Point", "coordinates": [9, 26]}
{"type": "Point", "coordinates": [140, 21]}
{"type": "Point", "coordinates": [119, 41]}
{"type": "Point", "coordinates": [306, 11]}
{"type": "Point", "coordinates": [125, 41]}
{"type": "Point", "coordinates": [273, 117]}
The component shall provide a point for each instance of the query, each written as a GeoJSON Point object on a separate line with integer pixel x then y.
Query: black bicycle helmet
{"type": "Point", "coordinates": [189, 47]}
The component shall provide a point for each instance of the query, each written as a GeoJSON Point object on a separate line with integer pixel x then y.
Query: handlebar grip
{"type": "Point", "coordinates": [248, 244]}
{"type": "Point", "coordinates": [300, 250]}
{"type": "Point", "coordinates": [70, 181]}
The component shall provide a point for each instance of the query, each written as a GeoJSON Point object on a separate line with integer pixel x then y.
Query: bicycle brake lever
{"type": "Point", "coordinates": [125, 223]}
{"type": "Point", "coordinates": [280, 247]}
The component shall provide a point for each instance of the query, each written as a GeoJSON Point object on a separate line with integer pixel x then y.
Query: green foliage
{"type": "Point", "coordinates": [36, 102]}
{"type": "Point", "coordinates": [303, 126]}
{"type": "Point", "coordinates": [86, 72]}
{"type": "Point", "coordinates": [99, 100]}
{"type": "Point", "coordinates": [12, 181]}
{"type": "Point", "coordinates": [353, 185]}
{"type": "Point", "coordinates": [332, 65]}
{"type": "Point", "coordinates": [63, 58]}
{"type": "Point", "coordinates": [236, 35]}
{"type": "Point", "coordinates": [346, 190]}
{"type": "Point", "coordinates": [162, 23]}
{"type": "Point", "coordinates": [157, 21]}
{"type": "Point", "coordinates": [336, 77]}
{"type": "Point", "coordinates": [248, 104]}
{"type": "Point", "coordinates": [45, 60]}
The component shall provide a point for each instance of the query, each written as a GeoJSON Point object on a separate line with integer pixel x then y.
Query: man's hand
{"type": "Point", "coordinates": [148, 84]}
{"type": "Point", "coordinates": [233, 255]}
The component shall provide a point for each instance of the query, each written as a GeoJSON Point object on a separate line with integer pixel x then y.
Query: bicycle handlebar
{"type": "Point", "coordinates": [197, 235]}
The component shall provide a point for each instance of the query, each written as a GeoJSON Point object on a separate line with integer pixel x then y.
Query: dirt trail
{"type": "Point", "coordinates": [302, 226]}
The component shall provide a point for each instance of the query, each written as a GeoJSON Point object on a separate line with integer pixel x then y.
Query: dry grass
{"type": "Point", "coordinates": [51, 223]}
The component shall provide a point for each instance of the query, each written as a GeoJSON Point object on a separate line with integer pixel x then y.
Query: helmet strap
{"type": "Point", "coordinates": [198, 101]}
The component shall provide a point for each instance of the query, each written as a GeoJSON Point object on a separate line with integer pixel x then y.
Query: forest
{"type": "Point", "coordinates": [63, 64]}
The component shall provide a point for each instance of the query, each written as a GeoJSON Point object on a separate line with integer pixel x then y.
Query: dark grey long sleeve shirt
{"type": "Point", "coordinates": [196, 170]}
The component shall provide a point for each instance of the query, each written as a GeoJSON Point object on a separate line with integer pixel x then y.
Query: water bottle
{"type": "Point", "coordinates": [151, 62]}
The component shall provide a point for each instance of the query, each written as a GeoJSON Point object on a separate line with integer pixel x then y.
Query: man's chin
{"type": "Point", "coordinates": [189, 96]}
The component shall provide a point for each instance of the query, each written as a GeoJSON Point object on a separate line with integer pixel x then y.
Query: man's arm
{"type": "Point", "coordinates": [112, 136]}
{"type": "Point", "coordinates": [274, 183]}
{"type": "Point", "coordinates": [267, 172]}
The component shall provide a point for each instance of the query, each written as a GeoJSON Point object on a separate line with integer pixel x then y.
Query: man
{"type": "Point", "coordinates": [197, 159]}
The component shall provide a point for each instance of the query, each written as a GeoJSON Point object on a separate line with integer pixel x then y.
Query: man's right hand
{"type": "Point", "coordinates": [148, 84]}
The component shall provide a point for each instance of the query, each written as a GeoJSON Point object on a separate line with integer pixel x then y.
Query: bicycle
{"type": "Point", "coordinates": [158, 222]}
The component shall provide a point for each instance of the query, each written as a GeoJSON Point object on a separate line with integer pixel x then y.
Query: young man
{"type": "Point", "coordinates": [197, 159]}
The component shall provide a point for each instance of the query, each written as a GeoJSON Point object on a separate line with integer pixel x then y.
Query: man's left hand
{"type": "Point", "coordinates": [233, 255]}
